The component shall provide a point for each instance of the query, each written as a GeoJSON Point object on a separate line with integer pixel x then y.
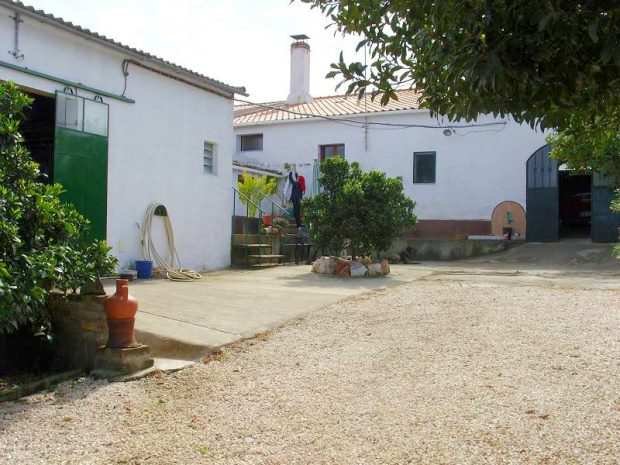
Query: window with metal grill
{"type": "Point", "coordinates": [251, 142]}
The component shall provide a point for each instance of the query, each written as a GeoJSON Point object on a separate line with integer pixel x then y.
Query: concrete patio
{"type": "Point", "coordinates": [184, 321]}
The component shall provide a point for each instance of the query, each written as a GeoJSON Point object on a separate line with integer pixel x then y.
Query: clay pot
{"type": "Point", "coordinates": [120, 309]}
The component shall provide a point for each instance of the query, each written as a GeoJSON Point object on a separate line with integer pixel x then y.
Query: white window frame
{"type": "Point", "coordinates": [209, 168]}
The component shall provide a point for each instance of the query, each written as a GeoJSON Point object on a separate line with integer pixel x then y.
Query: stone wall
{"type": "Point", "coordinates": [81, 328]}
{"type": "Point", "coordinates": [446, 249]}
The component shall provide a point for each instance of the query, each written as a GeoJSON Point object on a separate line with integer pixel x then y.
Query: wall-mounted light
{"type": "Point", "coordinates": [447, 132]}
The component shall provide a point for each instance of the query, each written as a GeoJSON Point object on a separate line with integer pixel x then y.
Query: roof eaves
{"type": "Point", "coordinates": [256, 167]}
{"type": "Point", "coordinates": [242, 121]}
{"type": "Point", "coordinates": [47, 18]}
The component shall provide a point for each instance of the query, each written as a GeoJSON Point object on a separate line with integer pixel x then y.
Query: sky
{"type": "Point", "coordinates": [240, 42]}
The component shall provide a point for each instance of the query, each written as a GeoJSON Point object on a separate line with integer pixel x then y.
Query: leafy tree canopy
{"type": "Point", "coordinates": [255, 189]}
{"type": "Point", "coordinates": [590, 143]}
{"type": "Point", "coordinates": [536, 60]}
{"type": "Point", "coordinates": [366, 210]}
{"type": "Point", "coordinates": [41, 246]}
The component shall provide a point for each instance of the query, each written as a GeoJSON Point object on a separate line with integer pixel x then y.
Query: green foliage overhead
{"type": "Point", "coordinates": [590, 143]}
{"type": "Point", "coordinates": [255, 188]}
{"type": "Point", "coordinates": [40, 237]}
{"type": "Point", "coordinates": [537, 60]}
{"type": "Point", "coordinates": [366, 209]}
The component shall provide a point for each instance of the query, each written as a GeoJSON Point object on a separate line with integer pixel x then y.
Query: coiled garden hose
{"type": "Point", "coordinates": [165, 268]}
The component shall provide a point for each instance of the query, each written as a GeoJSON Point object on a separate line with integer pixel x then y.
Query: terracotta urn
{"type": "Point", "coordinates": [120, 309]}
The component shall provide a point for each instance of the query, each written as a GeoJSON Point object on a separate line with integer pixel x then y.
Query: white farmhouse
{"type": "Point", "coordinates": [122, 129]}
{"type": "Point", "coordinates": [467, 179]}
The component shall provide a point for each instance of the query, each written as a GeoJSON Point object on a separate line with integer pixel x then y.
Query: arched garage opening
{"type": "Point", "coordinates": [564, 204]}
{"type": "Point", "coordinates": [542, 199]}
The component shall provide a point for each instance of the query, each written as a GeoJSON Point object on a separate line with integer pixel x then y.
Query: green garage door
{"type": "Point", "coordinates": [542, 198]}
{"type": "Point", "coordinates": [81, 157]}
{"type": "Point", "coordinates": [605, 223]}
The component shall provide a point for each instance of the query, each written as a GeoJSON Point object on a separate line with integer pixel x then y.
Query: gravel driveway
{"type": "Point", "coordinates": [433, 372]}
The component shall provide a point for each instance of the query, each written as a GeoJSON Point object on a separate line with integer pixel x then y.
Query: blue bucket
{"type": "Point", "coordinates": [144, 269]}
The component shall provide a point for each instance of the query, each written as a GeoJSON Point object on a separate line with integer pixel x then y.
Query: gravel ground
{"type": "Point", "coordinates": [435, 372]}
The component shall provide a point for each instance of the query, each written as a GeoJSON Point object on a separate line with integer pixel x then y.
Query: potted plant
{"type": "Point", "coordinates": [280, 225]}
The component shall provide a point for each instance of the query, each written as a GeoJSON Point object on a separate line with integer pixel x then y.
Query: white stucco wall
{"type": "Point", "coordinates": [155, 145]}
{"type": "Point", "coordinates": [476, 169]}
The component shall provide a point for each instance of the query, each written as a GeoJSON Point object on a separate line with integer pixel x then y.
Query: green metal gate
{"type": "Point", "coordinates": [605, 223]}
{"type": "Point", "coordinates": [81, 157]}
{"type": "Point", "coordinates": [542, 197]}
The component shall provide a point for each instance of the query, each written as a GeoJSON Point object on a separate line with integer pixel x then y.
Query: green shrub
{"type": "Point", "coordinates": [364, 211]}
{"type": "Point", "coordinates": [255, 188]}
{"type": "Point", "coordinates": [41, 246]}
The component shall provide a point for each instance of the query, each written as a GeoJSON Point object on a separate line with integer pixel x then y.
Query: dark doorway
{"type": "Point", "coordinates": [37, 128]}
{"type": "Point", "coordinates": [567, 204]}
{"type": "Point", "coordinates": [542, 195]}
{"type": "Point", "coordinates": [575, 204]}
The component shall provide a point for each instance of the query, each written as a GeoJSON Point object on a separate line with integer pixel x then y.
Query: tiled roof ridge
{"type": "Point", "coordinates": [320, 97]}
{"type": "Point", "coordinates": [324, 106]}
{"type": "Point", "coordinates": [369, 94]}
{"type": "Point", "coordinates": [81, 30]}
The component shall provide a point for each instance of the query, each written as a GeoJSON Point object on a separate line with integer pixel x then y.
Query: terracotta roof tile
{"type": "Point", "coordinates": [336, 105]}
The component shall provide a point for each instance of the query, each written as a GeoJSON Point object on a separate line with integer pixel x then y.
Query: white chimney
{"type": "Point", "coordinates": [300, 71]}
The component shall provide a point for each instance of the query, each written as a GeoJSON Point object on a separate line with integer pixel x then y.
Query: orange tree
{"type": "Point", "coordinates": [364, 211]}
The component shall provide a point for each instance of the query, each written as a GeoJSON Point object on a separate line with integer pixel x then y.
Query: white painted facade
{"type": "Point", "coordinates": [476, 168]}
{"type": "Point", "coordinates": [155, 144]}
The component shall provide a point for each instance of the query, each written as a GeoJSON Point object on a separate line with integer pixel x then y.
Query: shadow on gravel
{"type": "Point", "coordinates": [60, 395]}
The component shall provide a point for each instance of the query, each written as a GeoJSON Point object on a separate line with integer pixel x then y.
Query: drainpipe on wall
{"type": "Point", "coordinates": [16, 52]}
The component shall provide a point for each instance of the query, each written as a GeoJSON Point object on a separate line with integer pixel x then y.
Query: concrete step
{"type": "Point", "coordinates": [266, 265]}
{"type": "Point", "coordinates": [253, 246]}
{"type": "Point", "coordinates": [266, 256]}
